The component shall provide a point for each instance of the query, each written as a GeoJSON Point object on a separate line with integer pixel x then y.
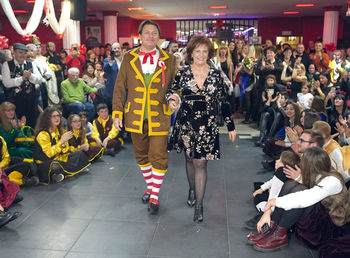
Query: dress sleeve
{"type": "Point", "coordinates": [225, 105]}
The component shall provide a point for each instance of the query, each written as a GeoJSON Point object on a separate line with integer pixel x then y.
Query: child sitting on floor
{"type": "Point", "coordinates": [104, 132]}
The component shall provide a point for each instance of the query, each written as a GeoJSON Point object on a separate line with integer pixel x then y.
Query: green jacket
{"type": "Point", "coordinates": [75, 92]}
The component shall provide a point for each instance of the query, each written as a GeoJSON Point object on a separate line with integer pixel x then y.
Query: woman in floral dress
{"type": "Point", "coordinates": [196, 129]}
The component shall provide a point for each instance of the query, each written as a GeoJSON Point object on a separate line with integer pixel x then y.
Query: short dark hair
{"type": "Point", "coordinates": [101, 106]}
{"type": "Point", "coordinates": [290, 158]}
{"type": "Point", "coordinates": [310, 118]}
{"type": "Point", "coordinates": [271, 48]}
{"type": "Point", "coordinates": [148, 22]}
{"type": "Point", "coordinates": [318, 104]}
{"type": "Point", "coordinates": [285, 94]}
{"type": "Point", "coordinates": [199, 40]}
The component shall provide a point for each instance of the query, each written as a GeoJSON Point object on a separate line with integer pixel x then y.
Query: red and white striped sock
{"type": "Point", "coordinates": [147, 175]}
{"type": "Point", "coordinates": [158, 176]}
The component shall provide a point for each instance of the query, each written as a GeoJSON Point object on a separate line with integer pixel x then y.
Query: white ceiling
{"type": "Point", "coordinates": [199, 9]}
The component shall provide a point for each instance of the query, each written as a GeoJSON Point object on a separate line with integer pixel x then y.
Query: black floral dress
{"type": "Point", "coordinates": [196, 128]}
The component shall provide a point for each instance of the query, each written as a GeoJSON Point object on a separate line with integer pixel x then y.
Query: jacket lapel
{"type": "Point", "coordinates": [136, 65]}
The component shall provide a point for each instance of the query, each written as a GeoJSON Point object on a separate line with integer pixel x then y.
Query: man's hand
{"type": "Point", "coordinates": [292, 173]}
{"type": "Point", "coordinates": [118, 124]}
{"type": "Point", "coordinates": [26, 74]}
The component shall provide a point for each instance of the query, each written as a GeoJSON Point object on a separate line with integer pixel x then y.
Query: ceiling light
{"type": "Point", "coordinates": [136, 8]}
{"type": "Point", "coordinates": [120, 0]}
{"type": "Point", "coordinates": [20, 11]}
{"type": "Point", "coordinates": [218, 14]}
{"type": "Point", "coordinates": [291, 12]}
{"type": "Point", "coordinates": [218, 7]}
{"type": "Point", "coordinates": [304, 5]}
{"type": "Point", "coordinates": [148, 15]}
{"type": "Point", "coordinates": [30, 1]}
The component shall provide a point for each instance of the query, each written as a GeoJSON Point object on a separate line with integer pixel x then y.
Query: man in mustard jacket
{"type": "Point", "coordinates": [139, 101]}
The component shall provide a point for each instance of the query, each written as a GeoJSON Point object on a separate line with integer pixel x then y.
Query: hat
{"type": "Point", "coordinates": [19, 46]}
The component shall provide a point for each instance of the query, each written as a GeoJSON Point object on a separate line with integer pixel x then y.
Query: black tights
{"type": "Point", "coordinates": [196, 170]}
{"type": "Point", "coordinates": [284, 218]}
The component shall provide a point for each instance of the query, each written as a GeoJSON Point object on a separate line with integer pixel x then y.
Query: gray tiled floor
{"type": "Point", "coordinates": [99, 213]}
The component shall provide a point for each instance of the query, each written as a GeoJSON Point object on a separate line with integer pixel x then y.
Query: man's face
{"type": "Point", "coordinates": [318, 46]}
{"type": "Point", "coordinates": [173, 48]}
{"type": "Point", "coordinates": [97, 51]}
{"type": "Point", "coordinates": [268, 43]}
{"type": "Point", "coordinates": [117, 49]}
{"type": "Point", "coordinates": [149, 36]}
{"type": "Point", "coordinates": [20, 55]}
{"type": "Point", "coordinates": [304, 142]}
{"type": "Point", "coordinates": [73, 77]}
{"type": "Point", "coordinates": [300, 49]}
{"type": "Point", "coordinates": [51, 47]}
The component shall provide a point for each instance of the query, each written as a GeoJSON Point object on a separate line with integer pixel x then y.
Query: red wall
{"type": "Point", "coordinates": [310, 28]}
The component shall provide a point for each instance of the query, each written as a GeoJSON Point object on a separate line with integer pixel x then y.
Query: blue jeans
{"type": "Point", "coordinates": [76, 108]}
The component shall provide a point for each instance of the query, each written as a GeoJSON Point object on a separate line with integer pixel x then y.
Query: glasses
{"type": "Point", "coordinates": [302, 140]}
{"type": "Point", "coordinates": [76, 121]}
{"type": "Point", "coordinates": [56, 116]}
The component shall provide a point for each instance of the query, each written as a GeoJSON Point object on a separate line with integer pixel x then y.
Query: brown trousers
{"type": "Point", "coordinates": [150, 149]}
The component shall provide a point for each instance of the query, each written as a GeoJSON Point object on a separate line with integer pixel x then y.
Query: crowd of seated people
{"type": "Point", "coordinates": [50, 126]}
{"type": "Point", "coordinates": [298, 98]}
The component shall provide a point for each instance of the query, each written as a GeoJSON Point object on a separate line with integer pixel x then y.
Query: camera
{"type": "Point", "coordinates": [75, 48]}
{"type": "Point", "coordinates": [112, 54]}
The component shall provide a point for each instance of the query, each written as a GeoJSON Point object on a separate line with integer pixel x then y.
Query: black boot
{"type": "Point", "coordinates": [5, 217]}
{"type": "Point", "coordinates": [263, 128]}
{"type": "Point", "coordinates": [198, 213]}
{"type": "Point", "coordinates": [268, 164]}
{"type": "Point", "coordinates": [191, 200]}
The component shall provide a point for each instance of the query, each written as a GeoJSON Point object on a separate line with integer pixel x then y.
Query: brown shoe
{"type": "Point", "coordinates": [278, 239]}
{"type": "Point", "coordinates": [252, 239]}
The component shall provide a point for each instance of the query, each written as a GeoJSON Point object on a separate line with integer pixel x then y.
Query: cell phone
{"type": "Point", "coordinates": [265, 228]}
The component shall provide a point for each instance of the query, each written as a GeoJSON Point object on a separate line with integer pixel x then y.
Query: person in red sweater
{"type": "Point", "coordinates": [76, 59]}
{"type": "Point", "coordinates": [320, 59]}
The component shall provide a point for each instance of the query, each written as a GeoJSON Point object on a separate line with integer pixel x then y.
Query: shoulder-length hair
{"type": "Point", "coordinates": [44, 121]}
{"type": "Point", "coordinates": [315, 163]}
{"type": "Point", "coordinates": [4, 121]}
{"type": "Point", "coordinates": [228, 53]}
{"type": "Point", "coordinates": [82, 129]}
{"type": "Point", "coordinates": [297, 114]}
{"type": "Point", "coordinates": [196, 41]}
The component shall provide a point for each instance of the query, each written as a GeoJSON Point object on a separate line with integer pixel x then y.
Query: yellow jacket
{"type": "Point", "coordinates": [130, 83]}
{"type": "Point", "coordinates": [5, 156]}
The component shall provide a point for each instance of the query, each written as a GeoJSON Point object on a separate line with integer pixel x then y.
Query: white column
{"type": "Point", "coordinates": [71, 34]}
{"type": "Point", "coordinates": [110, 26]}
{"type": "Point", "coordinates": [330, 25]}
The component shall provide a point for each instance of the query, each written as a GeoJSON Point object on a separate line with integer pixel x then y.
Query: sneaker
{"type": "Point", "coordinates": [57, 178]}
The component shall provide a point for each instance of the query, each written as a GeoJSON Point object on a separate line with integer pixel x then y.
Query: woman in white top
{"type": "Point", "coordinates": [319, 208]}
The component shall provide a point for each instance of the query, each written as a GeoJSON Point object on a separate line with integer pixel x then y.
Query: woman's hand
{"type": "Point", "coordinates": [232, 135]}
{"type": "Point", "coordinates": [66, 137]}
{"type": "Point", "coordinates": [259, 191]}
{"type": "Point", "coordinates": [271, 203]}
{"type": "Point", "coordinates": [174, 102]}
{"type": "Point", "coordinates": [292, 134]}
{"type": "Point", "coordinates": [292, 173]}
{"type": "Point", "coordinates": [84, 147]}
{"type": "Point", "coordinates": [266, 218]}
